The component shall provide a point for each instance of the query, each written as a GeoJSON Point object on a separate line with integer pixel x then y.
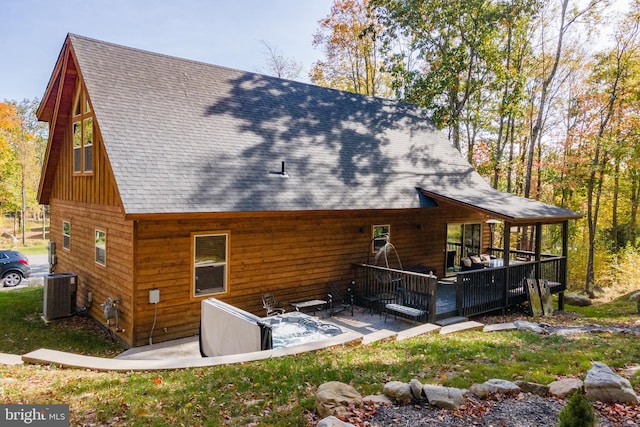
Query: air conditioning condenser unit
{"type": "Point", "coordinates": [59, 295]}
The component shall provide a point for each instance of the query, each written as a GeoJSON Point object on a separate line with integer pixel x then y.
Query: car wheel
{"type": "Point", "coordinates": [12, 279]}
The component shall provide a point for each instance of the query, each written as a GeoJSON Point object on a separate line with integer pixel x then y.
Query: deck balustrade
{"type": "Point", "coordinates": [476, 291]}
{"type": "Point", "coordinates": [497, 288]}
{"type": "Point", "coordinates": [379, 285]}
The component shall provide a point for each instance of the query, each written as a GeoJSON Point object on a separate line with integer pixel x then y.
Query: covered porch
{"type": "Point", "coordinates": [500, 279]}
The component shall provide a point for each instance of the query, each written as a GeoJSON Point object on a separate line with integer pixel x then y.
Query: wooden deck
{"type": "Point", "coordinates": [472, 293]}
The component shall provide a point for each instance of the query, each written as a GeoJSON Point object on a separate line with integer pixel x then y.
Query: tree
{"type": "Point", "coordinates": [349, 37]}
{"type": "Point", "coordinates": [280, 66]}
{"type": "Point", "coordinates": [457, 43]}
{"type": "Point", "coordinates": [548, 67]}
{"type": "Point", "coordinates": [22, 146]}
{"type": "Point", "coordinates": [600, 109]}
{"type": "Point", "coordinates": [510, 82]}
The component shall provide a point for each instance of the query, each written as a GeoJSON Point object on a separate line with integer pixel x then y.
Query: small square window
{"type": "Point", "coordinates": [380, 236]}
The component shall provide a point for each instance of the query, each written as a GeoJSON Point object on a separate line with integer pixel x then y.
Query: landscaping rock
{"type": "Point", "coordinates": [399, 391]}
{"type": "Point", "coordinates": [416, 389]}
{"type": "Point", "coordinates": [533, 388]}
{"type": "Point", "coordinates": [332, 421]}
{"type": "Point", "coordinates": [494, 386]}
{"type": "Point", "coordinates": [577, 300]}
{"type": "Point", "coordinates": [502, 386]}
{"type": "Point", "coordinates": [635, 296]}
{"type": "Point", "coordinates": [604, 385]}
{"type": "Point", "coordinates": [444, 397]}
{"type": "Point", "coordinates": [523, 325]}
{"type": "Point", "coordinates": [480, 390]}
{"type": "Point", "coordinates": [378, 399]}
{"type": "Point", "coordinates": [334, 397]}
{"type": "Point", "coordinates": [563, 388]}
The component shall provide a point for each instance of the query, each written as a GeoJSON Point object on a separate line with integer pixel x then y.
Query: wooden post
{"type": "Point", "coordinates": [432, 284]}
{"type": "Point", "coordinates": [565, 253]}
{"type": "Point", "coordinates": [506, 254]}
{"type": "Point", "coordinates": [538, 250]}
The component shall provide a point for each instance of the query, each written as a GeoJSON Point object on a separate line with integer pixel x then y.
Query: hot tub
{"type": "Point", "coordinates": [225, 329]}
{"type": "Point", "coordinates": [295, 328]}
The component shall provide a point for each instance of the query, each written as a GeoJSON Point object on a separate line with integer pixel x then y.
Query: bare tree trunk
{"type": "Point", "coordinates": [634, 210]}
{"type": "Point", "coordinates": [511, 151]}
{"type": "Point", "coordinates": [23, 213]}
{"type": "Point", "coordinates": [614, 208]}
{"type": "Point", "coordinates": [593, 208]}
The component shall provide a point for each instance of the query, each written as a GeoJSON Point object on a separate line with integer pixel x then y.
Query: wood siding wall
{"type": "Point", "coordinates": [113, 280]}
{"type": "Point", "coordinates": [291, 254]}
{"type": "Point", "coordinates": [90, 202]}
{"type": "Point", "coordinates": [98, 187]}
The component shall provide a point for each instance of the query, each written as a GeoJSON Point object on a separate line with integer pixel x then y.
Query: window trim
{"type": "Point", "coordinates": [192, 273]}
{"type": "Point", "coordinates": [66, 238]}
{"type": "Point", "coordinates": [374, 240]}
{"type": "Point", "coordinates": [96, 247]}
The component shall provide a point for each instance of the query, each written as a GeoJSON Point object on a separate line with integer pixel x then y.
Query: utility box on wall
{"type": "Point", "coordinates": [59, 295]}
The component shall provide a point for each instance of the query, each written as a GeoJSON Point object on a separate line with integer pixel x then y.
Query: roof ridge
{"type": "Point", "coordinates": [237, 70]}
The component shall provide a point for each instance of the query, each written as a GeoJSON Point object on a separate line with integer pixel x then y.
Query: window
{"type": "Point", "coordinates": [210, 263]}
{"type": "Point", "coordinates": [101, 247]}
{"type": "Point", "coordinates": [380, 236]}
{"type": "Point", "coordinates": [463, 240]}
{"type": "Point", "coordinates": [66, 234]}
{"type": "Point", "coordinates": [82, 134]}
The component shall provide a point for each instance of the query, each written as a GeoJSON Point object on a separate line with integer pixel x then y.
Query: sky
{"type": "Point", "coordinates": [222, 32]}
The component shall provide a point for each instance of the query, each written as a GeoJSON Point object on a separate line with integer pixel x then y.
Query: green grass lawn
{"type": "Point", "coordinates": [23, 329]}
{"type": "Point", "coordinates": [281, 391]}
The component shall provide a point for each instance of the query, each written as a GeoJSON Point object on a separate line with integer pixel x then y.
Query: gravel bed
{"type": "Point", "coordinates": [525, 410]}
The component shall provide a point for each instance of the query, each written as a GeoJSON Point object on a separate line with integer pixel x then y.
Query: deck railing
{"type": "Point", "coordinates": [382, 283]}
{"type": "Point", "coordinates": [491, 289]}
{"type": "Point", "coordinates": [553, 270]}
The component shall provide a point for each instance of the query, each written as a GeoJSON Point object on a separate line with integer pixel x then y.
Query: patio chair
{"type": "Point", "coordinates": [271, 305]}
{"type": "Point", "coordinates": [339, 298]}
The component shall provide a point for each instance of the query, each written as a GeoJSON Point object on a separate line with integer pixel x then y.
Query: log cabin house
{"type": "Point", "coordinates": [198, 180]}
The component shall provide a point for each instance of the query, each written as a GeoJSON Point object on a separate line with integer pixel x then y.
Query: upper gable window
{"type": "Point", "coordinates": [83, 133]}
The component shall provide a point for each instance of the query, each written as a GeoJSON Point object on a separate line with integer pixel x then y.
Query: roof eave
{"type": "Point", "coordinates": [501, 215]}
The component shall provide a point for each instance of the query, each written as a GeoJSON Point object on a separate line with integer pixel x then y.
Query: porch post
{"type": "Point", "coordinates": [506, 238]}
{"type": "Point", "coordinates": [565, 253]}
{"type": "Point", "coordinates": [538, 250]}
{"type": "Point", "coordinates": [506, 253]}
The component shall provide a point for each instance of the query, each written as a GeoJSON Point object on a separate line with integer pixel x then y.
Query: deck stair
{"type": "Point", "coordinates": [460, 327]}
{"type": "Point", "coordinates": [451, 320]}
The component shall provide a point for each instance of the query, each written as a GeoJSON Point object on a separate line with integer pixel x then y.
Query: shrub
{"type": "Point", "coordinates": [578, 412]}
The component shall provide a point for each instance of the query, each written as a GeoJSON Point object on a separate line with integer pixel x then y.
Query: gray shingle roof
{"type": "Point", "coordinates": [184, 136]}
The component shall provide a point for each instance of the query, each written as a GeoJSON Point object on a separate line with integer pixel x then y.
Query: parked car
{"type": "Point", "coordinates": [13, 267]}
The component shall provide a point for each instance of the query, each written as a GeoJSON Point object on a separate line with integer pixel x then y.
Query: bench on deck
{"type": "Point", "coordinates": [412, 304]}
